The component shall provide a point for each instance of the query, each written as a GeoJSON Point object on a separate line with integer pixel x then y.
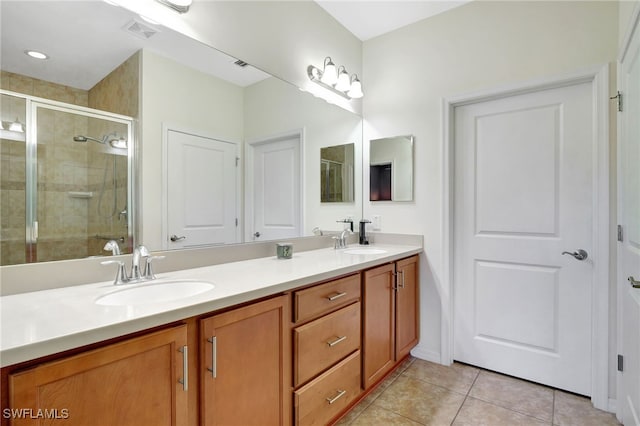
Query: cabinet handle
{"type": "Point", "coordinates": [336, 296]}
{"type": "Point", "coordinates": [338, 340]}
{"type": "Point", "coordinates": [402, 272]}
{"type": "Point", "coordinates": [185, 368]}
{"type": "Point", "coordinates": [214, 348]}
{"type": "Point", "coordinates": [340, 394]}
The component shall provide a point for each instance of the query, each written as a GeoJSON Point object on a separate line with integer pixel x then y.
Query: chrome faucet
{"type": "Point", "coordinates": [341, 241]}
{"type": "Point", "coordinates": [140, 252]}
{"type": "Point", "coordinates": [113, 247]}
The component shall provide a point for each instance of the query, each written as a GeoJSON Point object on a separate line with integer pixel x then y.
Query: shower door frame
{"type": "Point", "coordinates": [31, 163]}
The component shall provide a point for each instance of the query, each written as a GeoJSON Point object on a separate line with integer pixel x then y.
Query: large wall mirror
{"type": "Point", "coordinates": [128, 122]}
{"type": "Point", "coordinates": [391, 169]}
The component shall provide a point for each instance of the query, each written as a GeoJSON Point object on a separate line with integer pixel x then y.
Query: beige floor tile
{"type": "Point", "coordinates": [479, 413]}
{"type": "Point", "coordinates": [379, 416]}
{"type": "Point", "coordinates": [457, 377]}
{"type": "Point", "coordinates": [420, 401]}
{"type": "Point", "coordinates": [577, 410]}
{"type": "Point", "coordinates": [518, 395]}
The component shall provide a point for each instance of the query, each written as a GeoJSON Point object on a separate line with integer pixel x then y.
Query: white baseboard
{"type": "Point", "coordinates": [426, 354]}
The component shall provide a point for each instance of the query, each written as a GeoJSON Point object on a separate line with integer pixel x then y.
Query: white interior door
{"type": "Point", "coordinates": [201, 191]}
{"type": "Point", "coordinates": [629, 247]}
{"type": "Point", "coordinates": [523, 195]}
{"type": "Point", "coordinates": [276, 189]}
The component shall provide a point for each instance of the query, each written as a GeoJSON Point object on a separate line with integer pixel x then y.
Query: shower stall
{"type": "Point", "coordinates": [65, 187]}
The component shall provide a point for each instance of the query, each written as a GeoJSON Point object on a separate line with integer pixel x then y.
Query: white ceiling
{"type": "Point", "coordinates": [370, 18]}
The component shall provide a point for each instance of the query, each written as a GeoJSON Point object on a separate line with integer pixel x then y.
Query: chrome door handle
{"type": "Point", "coordinates": [257, 235]}
{"type": "Point", "coordinates": [634, 283]}
{"type": "Point", "coordinates": [579, 255]}
{"type": "Point", "coordinates": [175, 238]}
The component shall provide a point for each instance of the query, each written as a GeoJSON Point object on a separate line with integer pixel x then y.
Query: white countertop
{"type": "Point", "coordinates": [45, 322]}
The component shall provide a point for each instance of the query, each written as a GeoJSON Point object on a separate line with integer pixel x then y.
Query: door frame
{"type": "Point", "coordinates": [598, 76]}
{"type": "Point", "coordinates": [632, 33]}
{"type": "Point", "coordinates": [248, 177]}
{"type": "Point", "coordinates": [166, 128]}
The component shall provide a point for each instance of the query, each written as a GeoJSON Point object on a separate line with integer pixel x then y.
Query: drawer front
{"type": "Point", "coordinates": [325, 397]}
{"type": "Point", "coordinates": [323, 342]}
{"type": "Point", "coordinates": [314, 301]}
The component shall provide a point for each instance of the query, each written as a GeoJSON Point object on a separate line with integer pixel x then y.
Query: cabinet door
{"type": "Point", "coordinates": [246, 371]}
{"type": "Point", "coordinates": [378, 324]}
{"type": "Point", "coordinates": [407, 301]}
{"type": "Point", "coordinates": [135, 382]}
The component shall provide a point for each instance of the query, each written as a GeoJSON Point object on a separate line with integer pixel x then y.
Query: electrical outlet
{"type": "Point", "coordinates": [377, 222]}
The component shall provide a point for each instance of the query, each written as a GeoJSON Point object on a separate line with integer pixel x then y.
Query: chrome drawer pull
{"type": "Point", "coordinates": [340, 394]}
{"type": "Point", "coordinates": [336, 296]}
{"type": "Point", "coordinates": [338, 340]}
{"type": "Point", "coordinates": [185, 368]}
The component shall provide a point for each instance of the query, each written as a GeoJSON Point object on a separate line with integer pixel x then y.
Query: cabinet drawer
{"type": "Point", "coordinates": [325, 397]}
{"type": "Point", "coordinates": [314, 301]}
{"type": "Point", "coordinates": [321, 343]}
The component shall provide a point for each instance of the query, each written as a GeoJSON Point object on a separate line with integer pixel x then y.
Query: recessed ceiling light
{"type": "Point", "coordinates": [35, 54]}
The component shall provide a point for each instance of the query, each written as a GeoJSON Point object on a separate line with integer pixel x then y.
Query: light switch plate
{"type": "Point", "coordinates": [377, 222]}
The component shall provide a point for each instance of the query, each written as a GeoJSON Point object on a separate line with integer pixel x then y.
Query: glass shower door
{"type": "Point", "coordinates": [79, 198]}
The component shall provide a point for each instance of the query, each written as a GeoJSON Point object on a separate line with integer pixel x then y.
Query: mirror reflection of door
{"type": "Point", "coordinates": [274, 196]}
{"type": "Point", "coordinates": [380, 182]}
{"type": "Point", "coordinates": [201, 191]}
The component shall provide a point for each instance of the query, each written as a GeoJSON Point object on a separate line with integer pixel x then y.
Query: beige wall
{"type": "Point", "coordinates": [477, 46]}
{"type": "Point", "coordinates": [186, 99]}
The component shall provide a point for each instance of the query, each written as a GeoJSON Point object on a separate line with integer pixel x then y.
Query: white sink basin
{"type": "Point", "coordinates": [365, 250]}
{"type": "Point", "coordinates": [154, 292]}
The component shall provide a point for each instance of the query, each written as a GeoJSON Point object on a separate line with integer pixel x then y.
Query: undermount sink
{"type": "Point", "coordinates": [365, 250]}
{"type": "Point", "coordinates": [154, 292]}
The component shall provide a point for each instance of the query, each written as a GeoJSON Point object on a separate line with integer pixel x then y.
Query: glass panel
{"type": "Point", "coordinates": [12, 181]}
{"type": "Point", "coordinates": [82, 185]}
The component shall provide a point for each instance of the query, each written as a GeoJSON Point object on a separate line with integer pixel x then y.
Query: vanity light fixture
{"type": "Point", "coordinates": [337, 81]}
{"type": "Point", "coordinates": [180, 6]}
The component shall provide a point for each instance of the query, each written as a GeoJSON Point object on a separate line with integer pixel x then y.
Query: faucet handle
{"type": "Point", "coordinates": [148, 269]}
{"type": "Point", "coordinates": [121, 274]}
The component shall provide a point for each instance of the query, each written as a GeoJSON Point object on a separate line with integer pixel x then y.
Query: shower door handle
{"type": "Point", "coordinates": [175, 238]}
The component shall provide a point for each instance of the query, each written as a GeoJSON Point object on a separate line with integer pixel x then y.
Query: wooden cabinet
{"type": "Point", "coordinates": [407, 306]}
{"type": "Point", "coordinates": [326, 350]}
{"type": "Point", "coordinates": [390, 317]}
{"type": "Point", "coordinates": [135, 382]}
{"type": "Point", "coordinates": [245, 370]}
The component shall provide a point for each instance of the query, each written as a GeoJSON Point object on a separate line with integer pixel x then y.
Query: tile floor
{"type": "Point", "coordinates": [424, 393]}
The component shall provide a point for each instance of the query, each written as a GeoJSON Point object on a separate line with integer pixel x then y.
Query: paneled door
{"type": "Point", "coordinates": [629, 240]}
{"type": "Point", "coordinates": [523, 231]}
{"type": "Point", "coordinates": [201, 191]}
{"type": "Point", "coordinates": [274, 195]}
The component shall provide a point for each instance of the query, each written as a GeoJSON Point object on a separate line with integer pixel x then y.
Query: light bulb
{"type": "Point", "coordinates": [355, 91]}
{"type": "Point", "coordinates": [329, 74]}
{"type": "Point", "coordinates": [344, 82]}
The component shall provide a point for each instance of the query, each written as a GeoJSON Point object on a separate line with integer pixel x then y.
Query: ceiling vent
{"type": "Point", "coordinates": [140, 30]}
{"type": "Point", "coordinates": [241, 63]}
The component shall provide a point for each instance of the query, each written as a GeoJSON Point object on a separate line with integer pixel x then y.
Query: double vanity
{"type": "Point", "coordinates": [258, 341]}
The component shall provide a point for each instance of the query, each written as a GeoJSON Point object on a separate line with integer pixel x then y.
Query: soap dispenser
{"type": "Point", "coordinates": [363, 237]}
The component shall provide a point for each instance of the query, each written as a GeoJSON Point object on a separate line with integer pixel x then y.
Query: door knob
{"type": "Point", "coordinates": [579, 255]}
{"type": "Point", "coordinates": [175, 238]}
{"type": "Point", "coordinates": [634, 282]}
{"type": "Point", "coordinates": [257, 235]}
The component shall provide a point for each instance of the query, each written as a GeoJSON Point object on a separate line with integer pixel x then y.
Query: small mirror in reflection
{"type": "Point", "coordinates": [391, 169]}
{"type": "Point", "coordinates": [337, 174]}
